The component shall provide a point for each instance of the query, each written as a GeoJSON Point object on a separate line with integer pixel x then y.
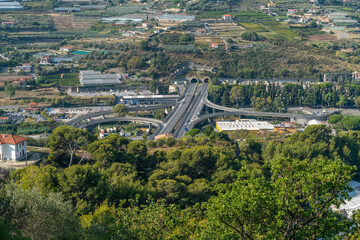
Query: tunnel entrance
{"type": "Point", "coordinates": [194, 80]}
{"type": "Point", "coordinates": [206, 80]}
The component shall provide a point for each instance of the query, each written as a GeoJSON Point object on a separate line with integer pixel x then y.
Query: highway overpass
{"type": "Point", "coordinates": [77, 120]}
{"type": "Point", "coordinates": [159, 124]}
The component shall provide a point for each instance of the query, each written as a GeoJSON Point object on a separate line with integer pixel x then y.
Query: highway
{"type": "Point", "coordinates": [77, 120]}
{"type": "Point", "coordinates": [180, 109]}
{"type": "Point", "coordinates": [185, 113]}
{"type": "Point", "coordinates": [243, 111]}
{"type": "Point", "coordinates": [159, 124]}
{"type": "Point", "coordinates": [196, 106]}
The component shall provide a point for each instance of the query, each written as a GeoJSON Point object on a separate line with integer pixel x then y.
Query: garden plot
{"type": "Point", "coordinates": [227, 30]}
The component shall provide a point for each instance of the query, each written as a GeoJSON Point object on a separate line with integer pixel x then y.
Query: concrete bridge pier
{"type": "Point", "coordinates": [103, 116]}
{"type": "Point", "coordinates": [150, 127]}
{"type": "Point", "coordinates": [137, 114]}
{"type": "Point", "coordinates": [153, 113]}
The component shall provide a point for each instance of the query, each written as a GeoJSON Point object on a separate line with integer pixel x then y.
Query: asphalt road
{"type": "Point", "coordinates": [180, 109]}
{"type": "Point", "coordinates": [158, 123]}
{"type": "Point", "coordinates": [75, 121]}
{"type": "Point", "coordinates": [196, 106]}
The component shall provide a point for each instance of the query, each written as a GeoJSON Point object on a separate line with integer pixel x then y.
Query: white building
{"type": "Point", "coordinates": [95, 78]}
{"type": "Point", "coordinates": [12, 147]}
{"type": "Point", "coordinates": [227, 17]}
{"type": "Point", "coordinates": [244, 124]}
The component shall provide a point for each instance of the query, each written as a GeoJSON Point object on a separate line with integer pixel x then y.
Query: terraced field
{"type": "Point", "coordinates": [68, 23]}
{"type": "Point", "coordinates": [227, 30]}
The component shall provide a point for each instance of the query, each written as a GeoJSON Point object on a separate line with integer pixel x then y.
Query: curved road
{"type": "Point", "coordinates": [235, 111]}
{"type": "Point", "coordinates": [77, 120]}
{"type": "Point", "coordinates": [158, 123]}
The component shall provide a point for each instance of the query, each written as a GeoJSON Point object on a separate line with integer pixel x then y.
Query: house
{"type": "Point", "coordinates": [214, 45]}
{"type": "Point", "coordinates": [33, 107]}
{"type": "Point", "coordinates": [4, 119]}
{"type": "Point", "coordinates": [45, 60]}
{"type": "Point", "coordinates": [227, 17]}
{"type": "Point", "coordinates": [292, 11]}
{"type": "Point", "coordinates": [201, 31]}
{"type": "Point", "coordinates": [26, 67]}
{"type": "Point", "coordinates": [314, 10]}
{"type": "Point", "coordinates": [324, 20]}
{"type": "Point", "coordinates": [66, 49]}
{"type": "Point", "coordinates": [304, 20]}
{"type": "Point", "coordinates": [8, 24]}
{"type": "Point", "coordinates": [271, 4]}
{"type": "Point", "coordinates": [146, 25]}
{"type": "Point", "coordinates": [12, 147]}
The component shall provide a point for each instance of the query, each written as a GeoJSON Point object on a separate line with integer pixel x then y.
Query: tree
{"type": "Point", "coordinates": [37, 216]}
{"type": "Point", "coordinates": [84, 185]}
{"type": "Point", "coordinates": [137, 150]}
{"type": "Point", "coordinates": [10, 90]}
{"type": "Point", "coordinates": [237, 96]}
{"type": "Point", "coordinates": [193, 132]}
{"type": "Point", "coordinates": [135, 63]}
{"type": "Point", "coordinates": [152, 86]}
{"type": "Point", "coordinates": [109, 149]}
{"type": "Point", "coordinates": [120, 109]}
{"type": "Point", "coordinates": [66, 141]}
{"type": "Point", "coordinates": [250, 36]}
{"type": "Point", "coordinates": [293, 202]}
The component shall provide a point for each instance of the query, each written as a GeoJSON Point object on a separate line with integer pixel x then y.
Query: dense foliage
{"type": "Point", "coordinates": [200, 187]}
{"type": "Point", "coordinates": [277, 98]}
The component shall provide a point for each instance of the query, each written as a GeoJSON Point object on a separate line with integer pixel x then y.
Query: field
{"type": "Point", "coordinates": [254, 27]}
{"type": "Point", "coordinates": [304, 31]}
{"type": "Point", "coordinates": [23, 95]}
{"type": "Point", "coordinates": [123, 10]}
{"type": "Point", "coordinates": [70, 79]}
{"type": "Point", "coordinates": [207, 40]}
{"type": "Point", "coordinates": [69, 22]}
{"type": "Point", "coordinates": [278, 31]}
{"type": "Point", "coordinates": [322, 38]}
{"type": "Point", "coordinates": [227, 30]}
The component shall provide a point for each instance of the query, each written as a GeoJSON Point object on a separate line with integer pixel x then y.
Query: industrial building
{"type": "Point", "coordinates": [244, 124]}
{"type": "Point", "coordinates": [11, 6]}
{"type": "Point", "coordinates": [175, 18]}
{"type": "Point", "coordinates": [96, 78]}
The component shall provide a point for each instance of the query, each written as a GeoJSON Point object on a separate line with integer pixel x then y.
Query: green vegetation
{"type": "Point", "coordinates": [28, 128]}
{"type": "Point", "coordinates": [198, 187]}
{"type": "Point", "coordinates": [68, 79]}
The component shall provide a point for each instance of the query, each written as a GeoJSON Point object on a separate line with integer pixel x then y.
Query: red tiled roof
{"type": "Point", "coordinates": [4, 118]}
{"type": "Point", "coordinates": [33, 104]}
{"type": "Point", "coordinates": [11, 139]}
{"type": "Point", "coordinates": [227, 15]}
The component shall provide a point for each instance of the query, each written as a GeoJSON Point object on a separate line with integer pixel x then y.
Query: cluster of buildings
{"type": "Point", "coordinates": [114, 130]}
{"type": "Point", "coordinates": [96, 78]}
